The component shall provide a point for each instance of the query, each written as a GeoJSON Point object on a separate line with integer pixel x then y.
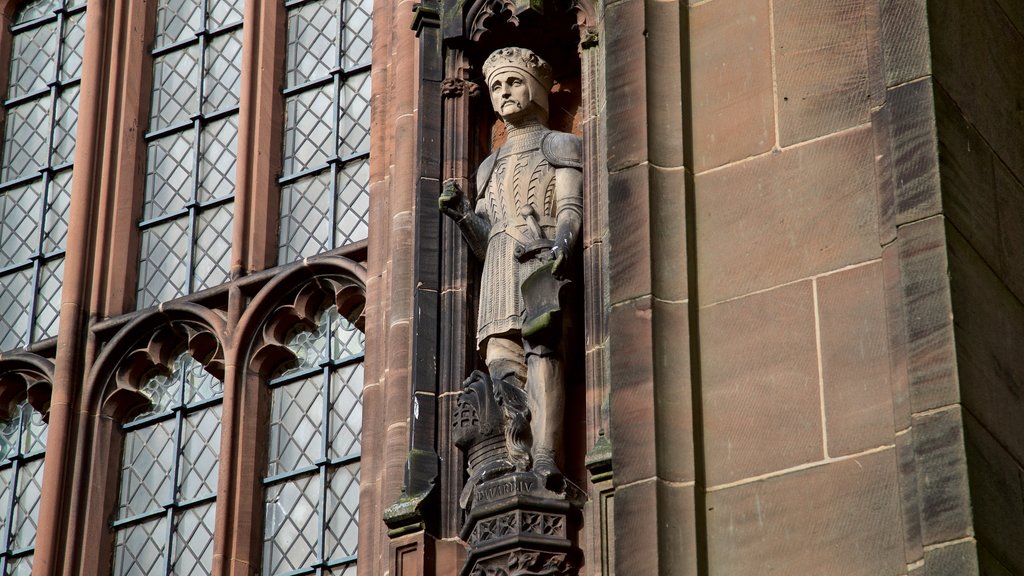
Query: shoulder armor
{"type": "Point", "coordinates": [483, 174]}
{"type": "Point", "coordinates": [562, 150]}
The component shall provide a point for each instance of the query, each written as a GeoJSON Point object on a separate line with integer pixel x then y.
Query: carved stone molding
{"type": "Point", "coordinates": [24, 375]}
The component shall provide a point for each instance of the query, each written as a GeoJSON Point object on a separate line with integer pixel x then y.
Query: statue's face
{"type": "Point", "coordinates": [510, 94]}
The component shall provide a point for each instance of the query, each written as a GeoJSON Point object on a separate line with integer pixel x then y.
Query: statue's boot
{"type": "Point", "coordinates": [546, 398]}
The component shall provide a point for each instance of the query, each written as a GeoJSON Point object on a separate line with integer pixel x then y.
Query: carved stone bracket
{"type": "Point", "coordinates": [518, 528]}
{"type": "Point", "coordinates": [24, 375]}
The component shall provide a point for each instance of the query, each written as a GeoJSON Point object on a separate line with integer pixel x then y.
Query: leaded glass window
{"type": "Point", "coordinates": [187, 211]}
{"type": "Point", "coordinates": [324, 197]}
{"type": "Point", "coordinates": [41, 109]}
{"type": "Point", "coordinates": [22, 447]}
{"type": "Point", "coordinates": [312, 483]}
{"type": "Point", "coordinates": [165, 513]}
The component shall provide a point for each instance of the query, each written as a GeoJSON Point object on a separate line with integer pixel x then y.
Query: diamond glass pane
{"type": "Point", "coordinates": [305, 218]}
{"type": "Point", "coordinates": [168, 175]}
{"type": "Point", "coordinates": [291, 525]}
{"type": "Point", "coordinates": [193, 541]}
{"type": "Point", "coordinates": [34, 434]}
{"type": "Point", "coordinates": [35, 9]}
{"type": "Point", "coordinates": [346, 570]}
{"type": "Point", "coordinates": [20, 566]}
{"type": "Point", "coordinates": [221, 12]}
{"type": "Point", "coordinates": [26, 132]}
{"type": "Point", "coordinates": [9, 434]}
{"type": "Point", "coordinates": [162, 275]}
{"type": "Point", "coordinates": [146, 469]}
{"type": "Point", "coordinates": [346, 410]}
{"type": "Point", "coordinates": [200, 385]}
{"type": "Point", "coordinates": [309, 347]}
{"type": "Point", "coordinates": [312, 50]}
{"type": "Point", "coordinates": [56, 228]}
{"type": "Point", "coordinates": [308, 131]}
{"type": "Point", "coordinates": [295, 425]}
{"type": "Point", "coordinates": [353, 203]}
{"type": "Point", "coordinates": [342, 535]}
{"type": "Point", "coordinates": [5, 499]}
{"type": "Point", "coordinates": [346, 340]}
{"type": "Point", "coordinates": [69, 4]}
{"type": "Point", "coordinates": [26, 509]}
{"type": "Point", "coordinates": [200, 453]}
{"type": "Point", "coordinates": [354, 115]}
{"type": "Point", "coordinates": [140, 549]}
{"type": "Point", "coordinates": [176, 20]}
{"type": "Point", "coordinates": [33, 54]}
{"type": "Point", "coordinates": [74, 45]}
{"type": "Point", "coordinates": [163, 391]}
{"type": "Point", "coordinates": [223, 72]}
{"type": "Point", "coordinates": [19, 227]}
{"type": "Point", "coordinates": [51, 279]}
{"type": "Point", "coordinates": [15, 291]}
{"type": "Point", "coordinates": [213, 243]}
{"type": "Point", "coordinates": [65, 126]}
{"type": "Point", "coordinates": [358, 33]}
{"type": "Point", "coordinates": [174, 88]}
{"type": "Point", "coordinates": [218, 159]}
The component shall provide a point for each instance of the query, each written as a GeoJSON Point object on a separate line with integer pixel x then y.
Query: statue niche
{"type": "Point", "coordinates": [524, 225]}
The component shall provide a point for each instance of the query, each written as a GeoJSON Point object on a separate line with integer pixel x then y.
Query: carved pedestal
{"type": "Point", "coordinates": [518, 528]}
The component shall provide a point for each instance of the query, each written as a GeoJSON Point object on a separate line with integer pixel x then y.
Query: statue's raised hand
{"type": "Point", "coordinates": [452, 202]}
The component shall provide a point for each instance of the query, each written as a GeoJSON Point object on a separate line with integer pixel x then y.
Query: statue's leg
{"type": "Point", "coordinates": [507, 368]}
{"type": "Point", "coordinates": [546, 399]}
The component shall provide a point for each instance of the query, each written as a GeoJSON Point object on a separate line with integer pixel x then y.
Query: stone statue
{"type": "Point", "coordinates": [524, 226]}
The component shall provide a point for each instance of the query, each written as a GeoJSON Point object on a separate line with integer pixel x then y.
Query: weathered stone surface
{"type": "Point", "coordinates": [942, 476]}
{"type": "Point", "coordinates": [838, 518]}
{"type": "Point", "coordinates": [821, 60]}
{"type": "Point", "coordinates": [733, 110]}
{"type": "Point", "coordinates": [759, 374]}
{"type": "Point", "coordinates": [915, 163]}
{"type": "Point", "coordinates": [636, 529]}
{"type": "Point", "coordinates": [664, 84]}
{"type": "Point", "coordinates": [931, 356]}
{"type": "Point", "coordinates": [786, 216]}
{"type": "Point", "coordinates": [668, 242]}
{"type": "Point", "coordinates": [989, 329]}
{"type": "Point", "coordinates": [855, 360]}
{"type": "Point", "coordinates": [905, 40]}
{"type": "Point", "coordinates": [980, 195]}
{"type": "Point", "coordinates": [626, 114]}
{"type": "Point", "coordinates": [881, 129]}
{"type": "Point", "coordinates": [910, 504]}
{"type": "Point", "coordinates": [996, 496]}
{"type": "Point", "coordinates": [960, 559]}
{"type": "Point", "coordinates": [632, 412]}
{"type": "Point", "coordinates": [673, 402]}
{"type": "Point", "coordinates": [978, 57]}
{"type": "Point", "coordinates": [677, 530]}
{"type": "Point", "coordinates": [629, 274]}
{"type": "Point", "coordinates": [897, 337]}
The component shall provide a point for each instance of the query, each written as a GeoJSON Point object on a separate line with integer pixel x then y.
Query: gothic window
{"type": "Point", "coordinates": [187, 210]}
{"type": "Point", "coordinates": [41, 109]}
{"type": "Point", "coordinates": [165, 514]}
{"type": "Point", "coordinates": [324, 198]}
{"type": "Point", "coordinates": [22, 446]}
{"type": "Point", "coordinates": [312, 483]}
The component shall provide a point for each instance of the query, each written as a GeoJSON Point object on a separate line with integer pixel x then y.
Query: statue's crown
{"type": "Point", "coordinates": [520, 59]}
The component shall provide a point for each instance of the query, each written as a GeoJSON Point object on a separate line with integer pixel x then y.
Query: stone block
{"type": "Point", "coordinates": [759, 373]}
{"type": "Point", "coordinates": [989, 331]}
{"type": "Point", "coordinates": [629, 257]}
{"type": "Point", "coordinates": [910, 503]}
{"type": "Point", "coordinates": [997, 496]}
{"type": "Point", "coordinates": [905, 40]}
{"type": "Point", "coordinates": [855, 360]}
{"type": "Point", "coordinates": [838, 518]}
{"type": "Point", "coordinates": [636, 529]}
{"type": "Point", "coordinates": [673, 392]}
{"type": "Point", "coordinates": [897, 337]}
{"type": "Point", "coordinates": [915, 161]}
{"type": "Point", "coordinates": [668, 233]}
{"type": "Point", "coordinates": [677, 530]}
{"type": "Point", "coordinates": [632, 412]}
{"type": "Point", "coordinates": [626, 85]}
{"type": "Point", "coordinates": [978, 58]}
{"type": "Point", "coordinates": [786, 216]}
{"type": "Point", "coordinates": [931, 355]}
{"type": "Point", "coordinates": [821, 67]}
{"type": "Point", "coordinates": [664, 84]}
{"type": "Point", "coordinates": [731, 82]}
{"type": "Point", "coordinates": [881, 130]}
{"type": "Point", "coordinates": [942, 476]}
{"type": "Point", "coordinates": [960, 559]}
